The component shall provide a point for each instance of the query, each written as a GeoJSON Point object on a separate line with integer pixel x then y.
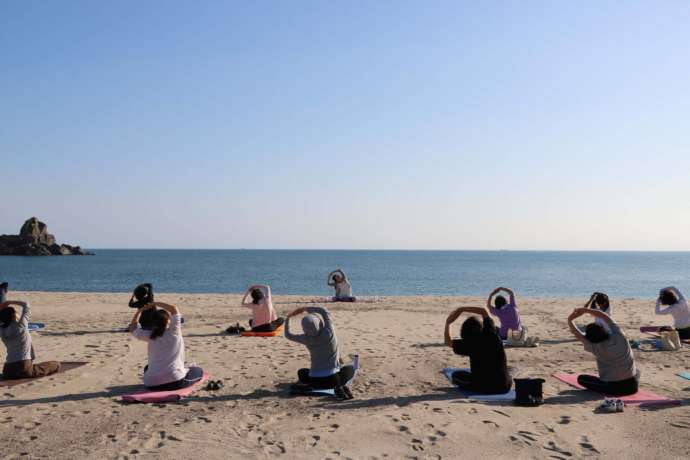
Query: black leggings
{"type": "Point", "coordinates": [324, 383]}
{"type": "Point", "coordinates": [193, 375]}
{"type": "Point", "coordinates": [268, 327]}
{"type": "Point", "coordinates": [618, 388]}
{"type": "Point", "coordinates": [463, 379]}
{"type": "Point", "coordinates": [345, 299]}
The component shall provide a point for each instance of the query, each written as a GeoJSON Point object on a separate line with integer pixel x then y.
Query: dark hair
{"type": "Point", "coordinates": [471, 328]}
{"type": "Point", "coordinates": [668, 297]}
{"type": "Point", "coordinates": [500, 301]}
{"type": "Point", "coordinates": [602, 301]}
{"type": "Point", "coordinates": [143, 295]}
{"type": "Point", "coordinates": [7, 316]}
{"type": "Point", "coordinates": [257, 295]}
{"type": "Point", "coordinates": [596, 333]}
{"type": "Point", "coordinates": [159, 321]}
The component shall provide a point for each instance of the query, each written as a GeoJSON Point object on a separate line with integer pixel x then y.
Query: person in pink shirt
{"type": "Point", "coordinates": [264, 317]}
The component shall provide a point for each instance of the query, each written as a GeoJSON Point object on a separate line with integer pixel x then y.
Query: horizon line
{"type": "Point", "coordinates": [379, 250]}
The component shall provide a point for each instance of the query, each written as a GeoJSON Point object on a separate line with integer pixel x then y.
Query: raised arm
{"type": "Point", "coordinates": [299, 338]}
{"type": "Point", "coordinates": [247, 294]}
{"type": "Point", "coordinates": [666, 311]}
{"type": "Point", "coordinates": [134, 324]}
{"type": "Point", "coordinates": [511, 294]}
{"type": "Point", "coordinates": [573, 328]}
{"type": "Point", "coordinates": [589, 303]}
{"type": "Point", "coordinates": [455, 314]}
{"type": "Point", "coordinates": [327, 319]}
{"type": "Point", "coordinates": [681, 297]}
{"type": "Point", "coordinates": [26, 309]}
{"type": "Point", "coordinates": [330, 278]}
{"type": "Point", "coordinates": [491, 296]}
{"type": "Point", "coordinates": [599, 314]}
{"type": "Point", "coordinates": [171, 309]}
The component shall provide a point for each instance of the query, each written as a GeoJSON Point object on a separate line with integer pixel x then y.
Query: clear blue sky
{"type": "Point", "coordinates": [449, 125]}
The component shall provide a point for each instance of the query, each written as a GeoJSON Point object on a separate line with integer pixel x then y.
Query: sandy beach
{"type": "Point", "coordinates": [403, 407]}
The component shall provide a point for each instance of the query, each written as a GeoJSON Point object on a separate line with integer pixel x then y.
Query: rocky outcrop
{"type": "Point", "coordinates": [34, 240]}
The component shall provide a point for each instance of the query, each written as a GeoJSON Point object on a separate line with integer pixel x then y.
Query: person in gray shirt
{"type": "Point", "coordinates": [14, 331]}
{"type": "Point", "coordinates": [326, 370]}
{"type": "Point", "coordinates": [618, 375]}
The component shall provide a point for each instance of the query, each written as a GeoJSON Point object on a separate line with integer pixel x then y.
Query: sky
{"type": "Point", "coordinates": [348, 125]}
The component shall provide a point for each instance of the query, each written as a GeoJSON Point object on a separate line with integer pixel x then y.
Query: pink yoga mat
{"type": "Point", "coordinates": [147, 396]}
{"type": "Point", "coordinates": [642, 397]}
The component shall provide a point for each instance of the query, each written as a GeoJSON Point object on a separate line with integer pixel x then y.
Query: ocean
{"type": "Point", "coordinates": [382, 273]}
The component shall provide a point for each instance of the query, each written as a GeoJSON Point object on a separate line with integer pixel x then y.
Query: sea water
{"type": "Point", "coordinates": [383, 273]}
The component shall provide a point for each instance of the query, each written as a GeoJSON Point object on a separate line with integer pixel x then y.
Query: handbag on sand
{"type": "Point", "coordinates": [528, 392]}
{"type": "Point", "coordinates": [520, 339]}
{"type": "Point", "coordinates": [670, 341]}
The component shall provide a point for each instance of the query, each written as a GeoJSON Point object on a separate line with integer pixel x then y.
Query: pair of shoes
{"type": "Point", "coordinates": [342, 393]}
{"type": "Point", "coordinates": [214, 385]}
{"type": "Point", "coordinates": [611, 405]}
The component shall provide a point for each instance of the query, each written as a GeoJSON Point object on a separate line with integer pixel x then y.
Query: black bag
{"type": "Point", "coordinates": [528, 392]}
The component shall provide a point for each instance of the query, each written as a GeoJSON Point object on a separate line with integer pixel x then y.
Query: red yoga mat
{"type": "Point", "coordinates": [642, 397]}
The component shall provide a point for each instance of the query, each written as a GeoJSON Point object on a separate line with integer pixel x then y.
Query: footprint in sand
{"type": "Point", "coordinates": [554, 448]}
{"type": "Point", "coordinates": [564, 420]}
{"type": "Point", "coordinates": [685, 425]}
{"type": "Point", "coordinates": [417, 445]}
{"type": "Point", "coordinates": [491, 422]}
{"type": "Point", "coordinates": [588, 446]}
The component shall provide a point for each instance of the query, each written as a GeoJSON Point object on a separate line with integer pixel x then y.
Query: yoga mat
{"type": "Point", "coordinates": [510, 396]}
{"type": "Point", "coordinates": [650, 328]}
{"type": "Point", "coordinates": [64, 367]}
{"type": "Point", "coordinates": [36, 326]}
{"type": "Point", "coordinates": [642, 397]}
{"type": "Point", "coordinates": [277, 332]}
{"type": "Point", "coordinates": [685, 375]}
{"type": "Point", "coordinates": [147, 396]}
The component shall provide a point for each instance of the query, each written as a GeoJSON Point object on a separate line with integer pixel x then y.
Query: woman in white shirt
{"type": "Point", "coordinates": [343, 288]}
{"type": "Point", "coordinates": [676, 306]}
{"type": "Point", "coordinates": [166, 370]}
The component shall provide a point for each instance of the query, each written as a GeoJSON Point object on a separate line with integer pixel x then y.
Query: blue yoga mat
{"type": "Point", "coordinates": [36, 326]}
{"type": "Point", "coordinates": [685, 375]}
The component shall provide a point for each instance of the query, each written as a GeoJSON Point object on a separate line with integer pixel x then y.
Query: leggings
{"type": "Point", "coordinates": [324, 383]}
{"type": "Point", "coordinates": [268, 327]}
{"type": "Point", "coordinates": [345, 299]}
{"type": "Point", "coordinates": [27, 369]}
{"type": "Point", "coordinates": [193, 375]}
{"type": "Point", "coordinates": [463, 379]}
{"type": "Point", "coordinates": [618, 388]}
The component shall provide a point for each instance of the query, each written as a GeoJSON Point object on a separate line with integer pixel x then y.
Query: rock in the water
{"type": "Point", "coordinates": [34, 240]}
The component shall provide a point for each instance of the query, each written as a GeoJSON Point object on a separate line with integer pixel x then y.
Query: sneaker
{"type": "Point", "coordinates": [609, 406]}
{"type": "Point", "coordinates": [620, 405]}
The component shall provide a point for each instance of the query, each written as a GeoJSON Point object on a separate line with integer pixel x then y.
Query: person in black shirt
{"type": "Point", "coordinates": [481, 342]}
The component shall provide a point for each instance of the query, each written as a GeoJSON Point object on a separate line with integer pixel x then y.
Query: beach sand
{"type": "Point", "coordinates": [403, 407]}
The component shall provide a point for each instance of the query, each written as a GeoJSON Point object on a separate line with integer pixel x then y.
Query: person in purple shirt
{"type": "Point", "coordinates": [506, 311]}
